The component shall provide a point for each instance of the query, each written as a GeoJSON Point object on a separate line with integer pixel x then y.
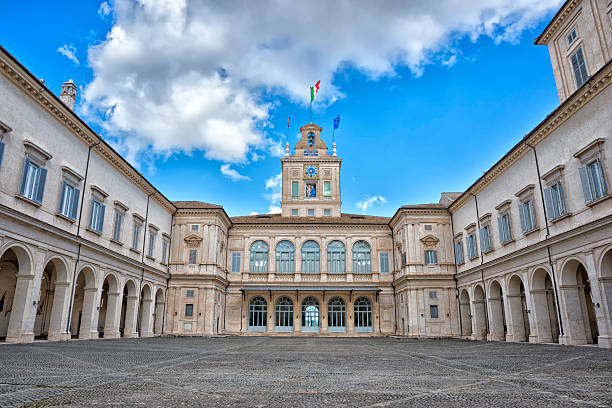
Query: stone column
{"type": "Point", "coordinates": [131, 312]}
{"type": "Point", "coordinates": [571, 310]}
{"type": "Point", "coordinates": [146, 319]}
{"type": "Point", "coordinates": [158, 321]}
{"type": "Point", "coordinates": [541, 319]}
{"type": "Point", "coordinates": [600, 304]}
{"type": "Point", "coordinates": [496, 322]}
{"type": "Point", "coordinates": [59, 312]}
{"type": "Point", "coordinates": [113, 315]}
{"type": "Point", "coordinates": [22, 302]}
{"type": "Point", "coordinates": [89, 315]}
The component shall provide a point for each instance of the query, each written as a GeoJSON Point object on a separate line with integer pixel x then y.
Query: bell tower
{"type": "Point", "coordinates": [311, 178]}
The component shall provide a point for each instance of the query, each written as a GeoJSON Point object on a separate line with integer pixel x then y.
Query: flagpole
{"type": "Point", "coordinates": [311, 110]}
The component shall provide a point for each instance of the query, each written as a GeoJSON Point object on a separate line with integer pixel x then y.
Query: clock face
{"type": "Point", "coordinates": [310, 170]}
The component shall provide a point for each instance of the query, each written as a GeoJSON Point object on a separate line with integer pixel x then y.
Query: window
{"type": "Point", "coordinates": [555, 202]}
{"type": "Point", "coordinates": [193, 256]}
{"type": "Point", "coordinates": [327, 190]}
{"type": "Point", "coordinates": [33, 181]}
{"type": "Point", "coordinates": [527, 216]}
{"type": "Point", "coordinates": [311, 212]}
{"type": "Point", "coordinates": [433, 294]}
{"type": "Point", "coordinates": [485, 238]}
{"type": "Point", "coordinates": [189, 310]}
{"type": "Point", "coordinates": [336, 257]}
{"type": "Point", "coordinates": [362, 257]}
{"type": "Point", "coordinates": [295, 190]}
{"type": "Point", "coordinates": [458, 252]}
{"type": "Point", "coordinates": [164, 251]}
{"type": "Point", "coordinates": [471, 245]}
{"type": "Point", "coordinates": [431, 257]}
{"type": "Point", "coordinates": [311, 315]}
{"type": "Point", "coordinates": [117, 227]}
{"type": "Point", "coordinates": [311, 257]}
{"type": "Point", "coordinates": [259, 257]}
{"type": "Point", "coordinates": [294, 212]}
{"type": "Point", "coordinates": [69, 200]}
{"type": "Point", "coordinates": [285, 254]}
{"type": "Point", "coordinates": [427, 227]}
{"type": "Point", "coordinates": [283, 315]}
{"type": "Point", "coordinates": [195, 227]}
{"type": "Point", "coordinates": [403, 259]}
{"type": "Point", "coordinates": [310, 190]}
{"type": "Point", "coordinates": [579, 67]}
{"type": "Point", "coordinates": [362, 310]}
{"type": "Point", "coordinates": [311, 139]}
{"type": "Point", "coordinates": [384, 262]}
{"type": "Point", "coordinates": [433, 311]}
{"type": "Point", "coordinates": [1, 152]}
{"type": "Point", "coordinates": [258, 314]}
{"type": "Point", "coordinates": [236, 262]}
{"type": "Point", "coordinates": [571, 37]}
{"type": "Point", "coordinates": [151, 243]}
{"type": "Point", "coordinates": [96, 219]}
{"type": "Point", "coordinates": [327, 212]}
{"type": "Point", "coordinates": [189, 293]}
{"type": "Point", "coordinates": [593, 181]}
{"type": "Point", "coordinates": [503, 224]}
{"type": "Point", "coordinates": [336, 315]}
{"type": "Point", "coordinates": [136, 235]}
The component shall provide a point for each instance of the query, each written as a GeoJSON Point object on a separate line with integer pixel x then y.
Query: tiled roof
{"type": "Point", "coordinates": [194, 205]}
{"type": "Point", "coordinates": [436, 206]}
{"type": "Point", "coordinates": [352, 219]}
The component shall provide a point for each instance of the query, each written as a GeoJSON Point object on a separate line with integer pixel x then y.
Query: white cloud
{"type": "Point", "coordinates": [274, 209]}
{"type": "Point", "coordinates": [104, 10]}
{"type": "Point", "coordinates": [370, 202]}
{"type": "Point", "coordinates": [253, 213]}
{"type": "Point", "coordinates": [274, 192]}
{"type": "Point", "coordinates": [184, 75]}
{"type": "Point", "coordinates": [69, 51]}
{"type": "Point", "coordinates": [233, 174]}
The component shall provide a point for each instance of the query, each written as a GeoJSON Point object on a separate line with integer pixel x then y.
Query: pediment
{"type": "Point", "coordinates": [430, 241]}
{"type": "Point", "coordinates": [193, 240]}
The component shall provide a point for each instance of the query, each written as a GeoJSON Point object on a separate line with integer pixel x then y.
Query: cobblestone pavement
{"type": "Point", "coordinates": [265, 371]}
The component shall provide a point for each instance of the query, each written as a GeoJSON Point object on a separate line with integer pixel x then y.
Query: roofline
{"type": "Point", "coordinates": [550, 23]}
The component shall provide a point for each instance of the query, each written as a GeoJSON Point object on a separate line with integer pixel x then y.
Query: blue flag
{"type": "Point", "coordinates": [336, 122]}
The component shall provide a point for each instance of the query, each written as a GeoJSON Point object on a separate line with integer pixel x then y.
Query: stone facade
{"type": "Point", "coordinates": [89, 248]}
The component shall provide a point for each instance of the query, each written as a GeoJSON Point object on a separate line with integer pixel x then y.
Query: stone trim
{"type": "Point", "coordinates": [527, 190]}
{"type": "Point", "coordinates": [38, 153]}
{"type": "Point", "coordinates": [556, 22]}
{"type": "Point", "coordinates": [72, 173]}
{"type": "Point", "coordinates": [590, 150]}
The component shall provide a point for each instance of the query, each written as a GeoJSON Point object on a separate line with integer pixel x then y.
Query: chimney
{"type": "Point", "coordinates": [68, 94]}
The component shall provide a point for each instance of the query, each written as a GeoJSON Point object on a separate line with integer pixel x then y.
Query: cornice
{"type": "Point", "coordinates": [556, 22]}
{"type": "Point", "coordinates": [311, 226]}
{"type": "Point", "coordinates": [210, 211]}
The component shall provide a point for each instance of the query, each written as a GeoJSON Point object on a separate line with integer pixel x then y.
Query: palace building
{"type": "Point", "coordinates": [89, 248]}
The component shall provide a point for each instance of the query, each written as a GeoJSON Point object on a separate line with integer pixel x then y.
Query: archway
{"type": "Point", "coordinates": [108, 319]}
{"type": "Point", "coordinates": [158, 319]}
{"type": "Point", "coordinates": [146, 312]}
{"type": "Point", "coordinates": [54, 287]}
{"type": "Point", "coordinates": [576, 291]}
{"type": "Point", "coordinates": [480, 316]}
{"type": "Point", "coordinates": [311, 315]}
{"type": "Point", "coordinates": [497, 315]}
{"type": "Point", "coordinates": [258, 314]}
{"type": "Point", "coordinates": [466, 316]}
{"type": "Point", "coordinates": [517, 308]}
{"type": "Point", "coordinates": [14, 261]}
{"type": "Point", "coordinates": [544, 307]}
{"type": "Point", "coordinates": [83, 304]}
{"type": "Point", "coordinates": [283, 315]}
{"type": "Point", "coordinates": [129, 303]}
{"type": "Point", "coordinates": [336, 315]}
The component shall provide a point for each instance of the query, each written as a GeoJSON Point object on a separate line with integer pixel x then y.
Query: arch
{"type": "Point", "coordinates": [285, 257]}
{"type": "Point", "coordinates": [109, 306]}
{"type": "Point", "coordinates": [605, 265]}
{"type": "Point", "coordinates": [575, 293]}
{"type": "Point", "coordinates": [544, 306]}
{"type": "Point", "coordinates": [61, 267]}
{"type": "Point", "coordinates": [258, 254]}
{"type": "Point", "coordinates": [465, 311]}
{"type": "Point", "coordinates": [84, 304]}
{"type": "Point", "coordinates": [497, 313]}
{"type": "Point", "coordinates": [605, 284]}
{"type": "Point", "coordinates": [479, 318]}
{"type": "Point", "coordinates": [311, 257]}
{"type": "Point", "coordinates": [283, 314]}
{"type": "Point", "coordinates": [53, 299]}
{"type": "Point", "coordinates": [517, 310]}
{"type": "Point", "coordinates": [258, 314]}
{"type": "Point", "coordinates": [336, 315]}
{"type": "Point", "coordinates": [145, 318]}
{"type": "Point", "coordinates": [336, 257]}
{"type": "Point", "coordinates": [129, 309]}
{"type": "Point", "coordinates": [362, 257]}
{"type": "Point", "coordinates": [22, 253]}
{"type": "Point", "coordinates": [15, 261]}
{"type": "Point", "coordinates": [362, 310]}
{"type": "Point", "coordinates": [311, 314]}
{"type": "Point", "coordinates": [158, 318]}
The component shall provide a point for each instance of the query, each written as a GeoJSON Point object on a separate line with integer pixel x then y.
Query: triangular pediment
{"type": "Point", "coordinates": [430, 241]}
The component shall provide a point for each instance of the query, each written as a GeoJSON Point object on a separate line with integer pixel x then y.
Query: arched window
{"type": "Point", "coordinates": [311, 256]}
{"type": "Point", "coordinates": [336, 257]}
{"type": "Point", "coordinates": [363, 315]}
{"type": "Point", "coordinates": [362, 257]}
{"type": "Point", "coordinates": [311, 139]}
{"type": "Point", "coordinates": [258, 314]}
{"type": "Point", "coordinates": [259, 257]}
{"type": "Point", "coordinates": [285, 254]}
{"type": "Point", "coordinates": [283, 315]}
{"type": "Point", "coordinates": [336, 315]}
{"type": "Point", "coordinates": [310, 315]}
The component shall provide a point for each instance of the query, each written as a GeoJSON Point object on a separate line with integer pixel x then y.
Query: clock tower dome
{"type": "Point", "coordinates": [311, 178]}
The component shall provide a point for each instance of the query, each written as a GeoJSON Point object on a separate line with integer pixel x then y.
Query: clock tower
{"type": "Point", "coordinates": [311, 178]}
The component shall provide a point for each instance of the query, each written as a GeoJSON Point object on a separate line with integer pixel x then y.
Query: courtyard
{"type": "Point", "coordinates": [284, 371]}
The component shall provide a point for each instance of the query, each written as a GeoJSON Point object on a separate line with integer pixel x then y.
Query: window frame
{"type": "Point", "coordinates": [257, 255]}
{"type": "Point", "coordinates": [428, 260]}
{"type": "Point", "coordinates": [188, 310]}
{"type": "Point", "coordinates": [284, 248]}
{"type": "Point", "coordinates": [384, 266]}
{"type": "Point", "coordinates": [236, 263]}
{"type": "Point", "coordinates": [362, 266]}
{"type": "Point", "coordinates": [580, 70]}
{"type": "Point", "coordinates": [336, 257]}
{"type": "Point", "coordinates": [311, 257]}
{"type": "Point", "coordinates": [194, 252]}
{"type": "Point", "coordinates": [433, 308]}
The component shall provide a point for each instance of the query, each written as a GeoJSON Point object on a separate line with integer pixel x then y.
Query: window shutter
{"type": "Point", "coordinates": [26, 166]}
{"type": "Point", "coordinates": [500, 227]}
{"type": "Point", "coordinates": [600, 176]}
{"type": "Point", "coordinates": [561, 199]}
{"type": "Point", "coordinates": [586, 187]}
{"type": "Point", "coordinates": [1, 152]}
{"type": "Point", "coordinates": [91, 215]}
{"type": "Point", "coordinates": [76, 195]}
{"type": "Point", "coordinates": [101, 218]}
{"type": "Point", "coordinates": [294, 188]}
{"type": "Point", "coordinates": [551, 211]}
{"type": "Point", "coordinates": [434, 257]}
{"type": "Point", "coordinates": [62, 197]}
{"type": "Point", "coordinates": [40, 185]}
{"type": "Point", "coordinates": [523, 216]}
{"type": "Point", "coordinates": [483, 240]}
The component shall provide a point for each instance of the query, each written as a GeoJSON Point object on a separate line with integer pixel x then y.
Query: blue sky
{"type": "Point", "coordinates": [413, 123]}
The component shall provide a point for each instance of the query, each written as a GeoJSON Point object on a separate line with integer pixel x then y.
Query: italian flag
{"type": "Point", "coordinates": [313, 90]}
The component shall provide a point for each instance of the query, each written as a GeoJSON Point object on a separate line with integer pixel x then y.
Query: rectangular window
{"type": "Point", "coordinates": [427, 227]}
{"type": "Point", "coordinates": [403, 258]}
{"type": "Point", "coordinates": [433, 311]}
{"type": "Point", "coordinates": [579, 67]}
{"type": "Point", "coordinates": [189, 293]}
{"type": "Point", "coordinates": [527, 217]}
{"type": "Point", "coordinates": [503, 223]}
{"type": "Point", "coordinates": [471, 246]}
{"type": "Point", "coordinates": [555, 202]}
{"type": "Point", "coordinates": [33, 181]}
{"type": "Point", "coordinates": [431, 257]}
{"type": "Point", "coordinates": [118, 225]}
{"type": "Point", "coordinates": [327, 212]}
{"type": "Point", "coordinates": [136, 236]}
{"type": "Point", "coordinates": [1, 152]}
{"type": "Point", "coordinates": [295, 190]}
{"type": "Point", "coordinates": [189, 310]}
{"type": "Point", "coordinates": [236, 261]}
{"type": "Point", "coordinates": [195, 227]}
{"type": "Point", "coordinates": [458, 252]}
{"type": "Point", "coordinates": [96, 220]}
{"type": "Point", "coordinates": [593, 181]}
{"type": "Point", "coordinates": [151, 244]}
{"type": "Point", "coordinates": [193, 256]}
{"type": "Point", "coordinates": [485, 238]}
{"type": "Point", "coordinates": [294, 212]}
{"type": "Point", "coordinates": [433, 294]}
{"type": "Point", "coordinates": [571, 37]}
{"type": "Point", "coordinates": [327, 190]}
{"type": "Point", "coordinates": [69, 201]}
{"type": "Point", "coordinates": [164, 251]}
{"type": "Point", "coordinates": [384, 262]}
{"type": "Point", "coordinates": [311, 212]}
